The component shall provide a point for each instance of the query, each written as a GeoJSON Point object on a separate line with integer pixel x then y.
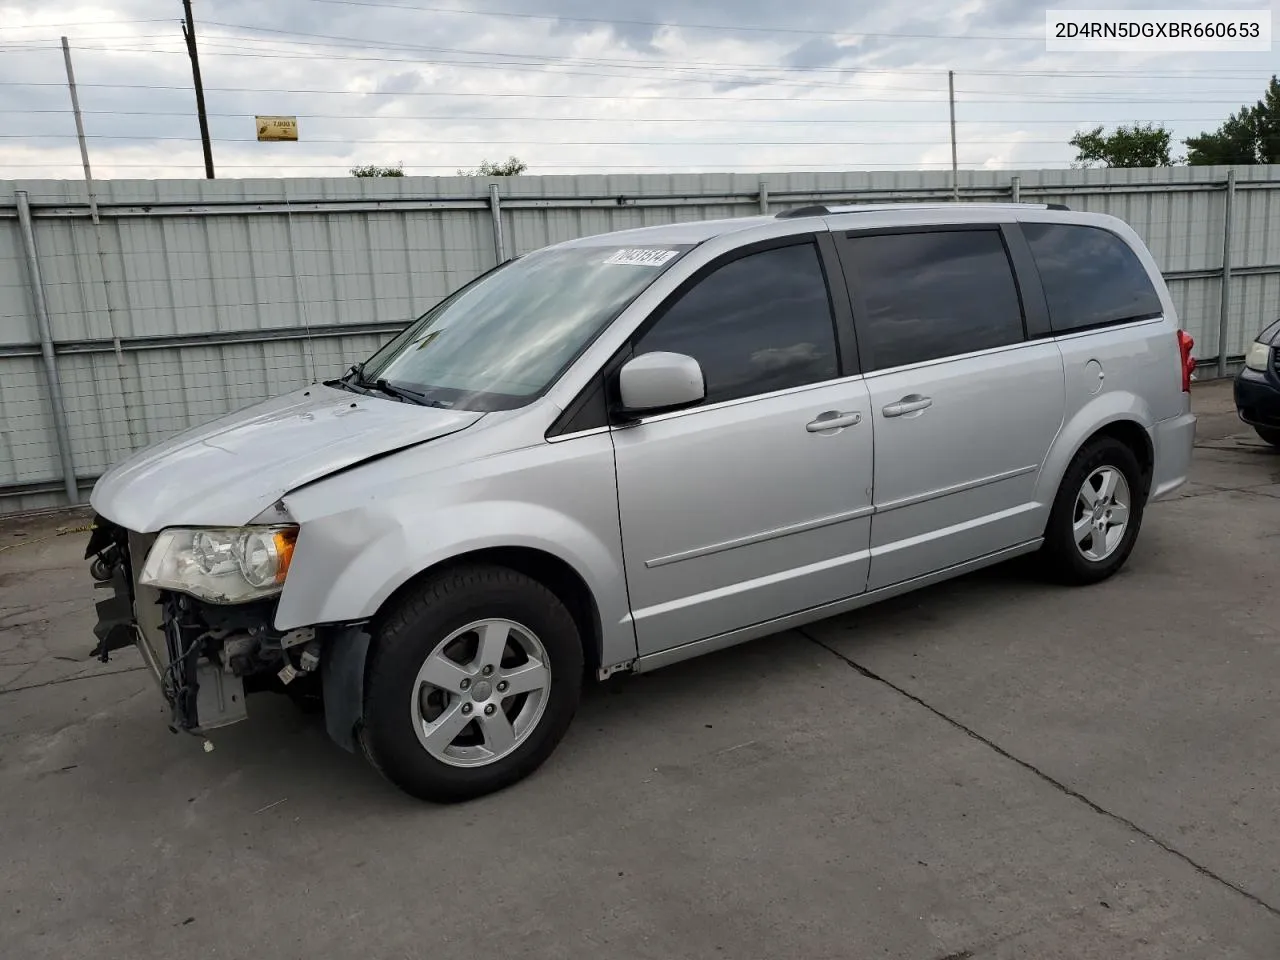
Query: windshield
{"type": "Point", "coordinates": [504, 339]}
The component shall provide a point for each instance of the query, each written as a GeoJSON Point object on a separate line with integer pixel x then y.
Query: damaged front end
{"type": "Point", "coordinates": [207, 656]}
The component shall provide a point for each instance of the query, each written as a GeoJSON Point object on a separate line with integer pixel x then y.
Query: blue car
{"type": "Point", "coordinates": [1258, 386]}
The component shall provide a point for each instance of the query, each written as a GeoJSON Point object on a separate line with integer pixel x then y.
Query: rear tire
{"type": "Point", "coordinates": [452, 705]}
{"type": "Point", "coordinates": [1270, 434]}
{"type": "Point", "coordinates": [1096, 515]}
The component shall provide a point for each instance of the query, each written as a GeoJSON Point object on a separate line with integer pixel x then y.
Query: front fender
{"type": "Point", "coordinates": [366, 574]}
{"type": "Point", "coordinates": [1099, 412]}
{"type": "Point", "coordinates": [368, 531]}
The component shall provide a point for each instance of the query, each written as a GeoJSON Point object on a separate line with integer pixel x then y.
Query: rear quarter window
{"type": "Point", "coordinates": [1091, 277]}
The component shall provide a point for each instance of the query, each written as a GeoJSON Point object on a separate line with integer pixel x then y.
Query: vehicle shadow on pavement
{"type": "Point", "coordinates": [284, 757]}
{"type": "Point", "coordinates": [280, 744]}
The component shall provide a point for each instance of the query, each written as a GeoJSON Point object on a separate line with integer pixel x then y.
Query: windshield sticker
{"type": "Point", "coordinates": [641, 257]}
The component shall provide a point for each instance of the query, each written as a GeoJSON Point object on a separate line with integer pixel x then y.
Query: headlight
{"type": "Point", "coordinates": [1257, 357]}
{"type": "Point", "coordinates": [221, 565]}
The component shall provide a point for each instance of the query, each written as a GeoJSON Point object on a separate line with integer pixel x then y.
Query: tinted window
{"type": "Point", "coordinates": [929, 295]}
{"type": "Point", "coordinates": [1090, 276]}
{"type": "Point", "coordinates": [759, 323]}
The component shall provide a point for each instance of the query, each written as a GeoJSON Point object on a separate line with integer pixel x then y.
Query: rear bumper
{"type": "Point", "coordinates": [1257, 397]}
{"type": "Point", "coordinates": [1172, 441]}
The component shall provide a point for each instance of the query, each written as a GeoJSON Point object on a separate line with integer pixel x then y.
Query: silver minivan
{"type": "Point", "coordinates": [623, 451]}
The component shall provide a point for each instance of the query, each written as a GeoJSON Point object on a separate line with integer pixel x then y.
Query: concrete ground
{"type": "Point", "coordinates": [991, 768]}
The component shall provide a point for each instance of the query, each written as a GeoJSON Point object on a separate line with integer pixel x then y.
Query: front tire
{"type": "Point", "coordinates": [1097, 513]}
{"type": "Point", "coordinates": [1270, 434]}
{"type": "Point", "coordinates": [472, 682]}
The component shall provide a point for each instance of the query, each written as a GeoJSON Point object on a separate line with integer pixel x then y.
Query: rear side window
{"type": "Point", "coordinates": [1091, 277]}
{"type": "Point", "coordinates": [929, 295]}
{"type": "Point", "coordinates": [757, 324]}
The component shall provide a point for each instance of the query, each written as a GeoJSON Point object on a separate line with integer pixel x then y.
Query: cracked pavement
{"type": "Point", "coordinates": [991, 768]}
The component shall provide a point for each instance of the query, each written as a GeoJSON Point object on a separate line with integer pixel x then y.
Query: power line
{"type": "Point", "coordinates": [651, 71]}
{"type": "Point", "coordinates": [613, 61]}
{"type": "Point", "coordinates": [794, 101]}
{"type": "Point", "coordinates": [518, 61]}
{"type": "Point", "coordinates": [560, 143]}
{"type": "Point", "coordinates": [527, 65]}
{"type": "Point", "coordinates": [83, 23]}
{"type": "Point", "coordinates": [569, 166]}
{"type": "Point", "coordinates": [657, 98]}
{"type": "Point", "coordinates": [538, 66]}
{"type": "Point", "coordinates": [50, 44]}
{"type": "Point", "coordinates": [1137, 96]}
{"type": "Point", "coordinates": [364, 43]}
{"type": "Point", "coordinates": [1042, 98]}
{"type": "Point", "coordinates": [542, 61]}
{"type": "Point", "coordinates": [407, 8]}
{"type": "Point", "coordinates": [369, 43]}
{"type": "Point", "coordinates": [1002, 121]}
{"type": "Point", "coordinates": [527, 61]}
{"type": "Point", "coordinates": [329, 39]}
{"type": "Point", "coordinates": [1190, 74]}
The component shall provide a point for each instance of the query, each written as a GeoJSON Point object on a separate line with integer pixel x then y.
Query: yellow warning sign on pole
{"type": "Point", "coordinates": [277, 128]}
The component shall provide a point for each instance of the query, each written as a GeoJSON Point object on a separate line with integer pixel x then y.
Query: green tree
{"type": "Point", "coordinates": [373, 170]}
{"type": "Point", "coordinates": [511, 167]}
{"type": "Point", "coordinates": [1136, 146]}
{"type": "Point", "coordinates": [1250, 135]}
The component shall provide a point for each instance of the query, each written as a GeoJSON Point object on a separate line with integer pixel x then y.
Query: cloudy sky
{"type": "Point", "coordinates": [576, 86]}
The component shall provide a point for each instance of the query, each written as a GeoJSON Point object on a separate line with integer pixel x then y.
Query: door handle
{"type": "Point", "coordinates": [911, 403]}
{"type": "Point", "coordinates": [833, 420]}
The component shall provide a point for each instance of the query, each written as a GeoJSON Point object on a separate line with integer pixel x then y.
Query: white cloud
{"type": "Point", "coordinates": [439, 91]}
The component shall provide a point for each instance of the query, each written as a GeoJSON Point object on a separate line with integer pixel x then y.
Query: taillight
{"type": "Point", "coordinates": [1185, 343]}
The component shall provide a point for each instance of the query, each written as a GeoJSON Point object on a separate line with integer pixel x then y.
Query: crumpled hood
{"type": "Point", "coordinates": [230, 470]}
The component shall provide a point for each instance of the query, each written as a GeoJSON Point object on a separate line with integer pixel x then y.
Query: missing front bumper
{"type": "Point", "coordinates": [202, 694]}
{"type": "Point", "coordinates": [205, 658]}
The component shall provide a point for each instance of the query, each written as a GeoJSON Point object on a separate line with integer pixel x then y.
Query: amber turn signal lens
{"type": "Point", "coordinates": [284, 542]}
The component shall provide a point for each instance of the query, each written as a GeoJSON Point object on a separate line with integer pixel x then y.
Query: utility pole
{"type": "Point", "coordinates": [84, 147]}
{"type": "Point", "coordinates": [97, 244]}
{"type": "Point", "coordinates": [955, 174]}
{"type": "Point", "coordinates": [189, 34]}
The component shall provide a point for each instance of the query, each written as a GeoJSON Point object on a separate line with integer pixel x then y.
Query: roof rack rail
{"type": "Point", "coordinates": [814, 210]}
{"type": "Point", "coordinates": [822, 210]}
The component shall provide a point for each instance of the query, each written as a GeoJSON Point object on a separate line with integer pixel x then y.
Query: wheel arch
{"type": "Point", "coordinates": [553, 572]}
{"type": "Point", "coordinates": [1134, 436]}
{"type": "Point", "coordinates": [1123, 416]}
{"type": "Point", "coordinates": [347, 659]}
{"type": "Point", "coordinates": [1062, 554]}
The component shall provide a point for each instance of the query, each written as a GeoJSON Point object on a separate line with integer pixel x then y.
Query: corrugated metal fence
{"type": "Point", "coordinates": [182, 300]}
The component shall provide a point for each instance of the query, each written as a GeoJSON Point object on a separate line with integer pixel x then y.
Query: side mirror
{"type": "Point", "coordinates": [653, 382]}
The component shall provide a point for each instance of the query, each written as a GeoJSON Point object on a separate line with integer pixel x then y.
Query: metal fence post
{"type": "Point", "coordinates": [764, 197]}
{"type": "Point", "coordinates": [1015, 189]}
{"type": "Point", "coordinates": [495, 211]}
{"type": "Point", "coordinates": [1224, 304]}
{"type": "Point", "coordinates": [60, 427]}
